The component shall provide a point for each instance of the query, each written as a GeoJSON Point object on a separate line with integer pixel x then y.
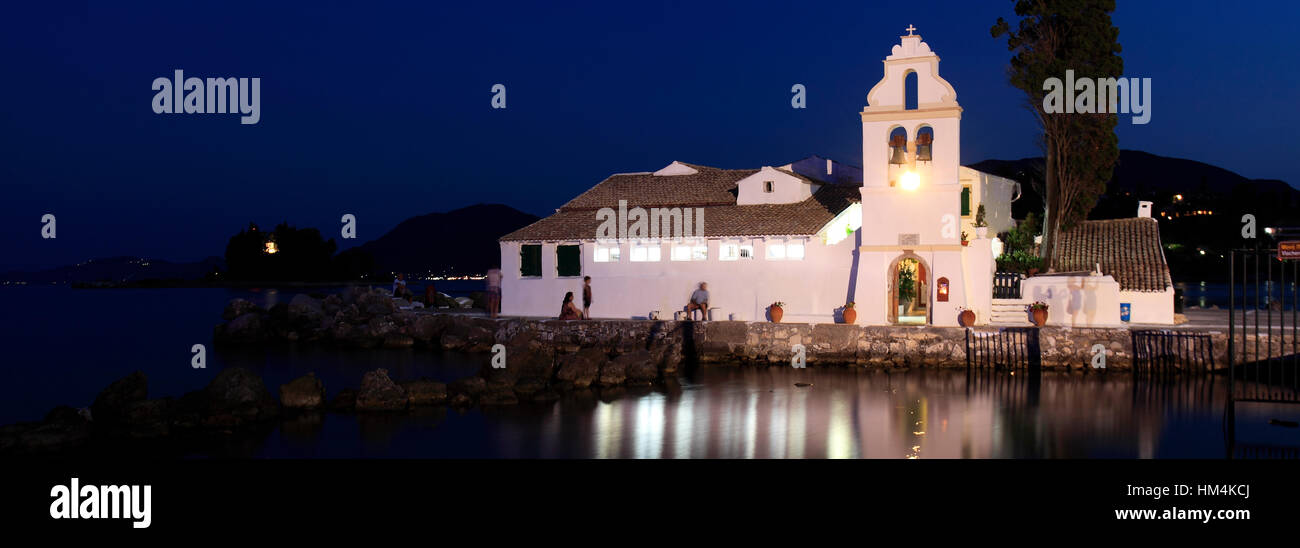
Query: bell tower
{"type": "Point", "coordinates": [911, 138]}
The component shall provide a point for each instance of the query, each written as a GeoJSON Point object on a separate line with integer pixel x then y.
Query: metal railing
{"type": "Point", "coordinates": [1165, 352]}
{"type": "Point", "coordinates": [1006, 348]}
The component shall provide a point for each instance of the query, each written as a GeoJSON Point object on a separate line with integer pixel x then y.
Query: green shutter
{"type": "Point", "coordinates": [965, 202]}
{"type": "Point", "coordinates": [530, 260]}
{"type": "Point", "coordinates": [568, 260]}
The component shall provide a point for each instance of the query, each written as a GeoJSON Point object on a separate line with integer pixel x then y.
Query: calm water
{"type": "Point", "coordinates": [62, 346]}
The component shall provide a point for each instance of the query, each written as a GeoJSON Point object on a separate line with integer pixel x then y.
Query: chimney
{"type": "Point", "coordinates": [828, 166]}
{"type": "Point", "coordinates": [1144, 209]}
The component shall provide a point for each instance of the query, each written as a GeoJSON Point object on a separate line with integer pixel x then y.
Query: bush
{"type": "Point", "coordinates": [1019, 261]}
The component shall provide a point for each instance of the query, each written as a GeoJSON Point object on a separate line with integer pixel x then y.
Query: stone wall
{"type": "Point", "coordinates": [356, 321]}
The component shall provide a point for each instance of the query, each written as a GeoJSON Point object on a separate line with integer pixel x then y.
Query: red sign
{"type": "Point", "coordinates": [1289, 249]}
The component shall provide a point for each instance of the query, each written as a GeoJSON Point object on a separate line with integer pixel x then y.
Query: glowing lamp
{"type": "Point", "coordinates": [911, 180]}
{"type": "Point", "coordinates": [270, 248]}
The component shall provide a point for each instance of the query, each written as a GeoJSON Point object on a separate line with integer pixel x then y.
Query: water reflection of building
{"type": "Point", "coordinates": [760, 413]}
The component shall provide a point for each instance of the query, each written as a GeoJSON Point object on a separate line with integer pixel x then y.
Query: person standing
{"type": "Point", "coordinates": [586, 297]}
{"type": "Point", "coordinates": [493, 281]}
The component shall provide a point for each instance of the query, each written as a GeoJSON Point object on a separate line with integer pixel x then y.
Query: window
{"type": "Point", "coordinates": [767, 186]}
{"type": "Point", "coordinates": [792, 251]}
{"type": "Point", "coordinates": [690, 252]}
{"type": "Point", "coordinates": [645, 253]}
{"type": "Point", "coordinates": [732, 252]}
{"type": "Point", "coordinates": [568, 260]}
{"type": "Point", "coordinates": [530, 261]}
{"type": "Point", "coordinates": [965, 201]}
{"type": "Point", "coordinates": [607, 254]}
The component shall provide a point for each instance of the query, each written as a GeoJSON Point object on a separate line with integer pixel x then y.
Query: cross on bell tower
{"type": "Point", "coordinates": [909, 29]}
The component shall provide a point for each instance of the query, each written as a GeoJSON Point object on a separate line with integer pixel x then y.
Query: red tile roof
{"type": "Point", "coordinates": [1128, 250]}
{"type": "Point", "coordinates": [712, 189]}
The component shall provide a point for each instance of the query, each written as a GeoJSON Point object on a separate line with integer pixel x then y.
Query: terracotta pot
{"type": "Point", "coordinates": [850, 315]}
{"type": "Point", "coordinates": [966, 318]}
{"type": "Point", "coordinates": [1040, 316]}
{"type": "Point", "coordinates": [965, 243]}
{"type": "Point", "coordinates": [776, 314]}
{"type": "Point", "coordinates": [1032, 272]}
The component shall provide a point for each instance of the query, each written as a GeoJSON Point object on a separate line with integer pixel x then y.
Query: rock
{"type": "Point", "coordinates": [502, 396]}
{"type": "Point", "coordinates": [398, 340]}
{"type": "Point", "coordinates": [246, 328]}
{"type": "Point", "coordinates": [237, 396]}
{"type": "Point", "coordinates": [424, 392]}
{"type": "Point", "coordinates": [529, 385]}
{"type": "Point", "coordinates": [380, 393]}
{"type": "Point", "coordinates": [149, 418]}
{"type": "Point", "coordinates": [581, 368]}
{"type": "Point", "coordinates": [236, 308]}
{"type": "Point", "coordinates": [614, 372]}
{"type": "Point", "coordinates": [345, 400]}
{"type": "Point", "coordinates": [305, 392]}
{"type": "Point", "coordinates": [464, 302]}
{"type": "Point", "coordinates": [305, 309]}
{"type": "Point", "coordinates": [469, 386]}
{"type": "Point", "coordinates": [641, 367]}
{"type": "Point", "coordinates": [112, 403]}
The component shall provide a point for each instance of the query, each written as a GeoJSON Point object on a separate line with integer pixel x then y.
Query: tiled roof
{"type": "Point", "coordinates": [711, 189]}
{"type": "Point", "coordinates": [1128, 250]}
{"type": "Point", "coordinates": [710, 186]}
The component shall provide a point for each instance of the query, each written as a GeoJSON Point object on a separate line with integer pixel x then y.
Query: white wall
{"type": "Point", "coordinates": [786, 189]}
{"type": "Point", "coordinates": [1150, 307]}
{"type": "Point", "coordinates": [995, 193]}
{"type": "Point", "coordinates": [812, 288]}
{"type": "Point", "coordinates": [1076, 301]}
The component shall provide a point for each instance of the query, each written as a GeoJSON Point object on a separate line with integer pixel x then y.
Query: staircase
{"type": "Point", "coordinates": [1010, 312]}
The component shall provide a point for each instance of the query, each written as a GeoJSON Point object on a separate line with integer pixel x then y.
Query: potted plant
{"type": "Point", "coordinates": [981, 226]}
{"type": "Point", "coordinates": [850, 315]}
{"type": "Point", "coordinates": [965, 317]}
{"type": "Point", "coordinates": [906, 287]}
{"type": "Point", "coordinates": [964, 238]}
{"type": "Point", "coordinates": [1039, 311]}
{"type": "Point", "coordinates": [776, 311]}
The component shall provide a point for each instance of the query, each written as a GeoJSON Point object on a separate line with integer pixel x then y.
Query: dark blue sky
{"type": "Point", "coordinates": [383, 110]}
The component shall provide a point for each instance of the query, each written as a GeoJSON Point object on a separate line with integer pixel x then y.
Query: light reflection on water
{"type": "Point", "coordinates": [759, 413]}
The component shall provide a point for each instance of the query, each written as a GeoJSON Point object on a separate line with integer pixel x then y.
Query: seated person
{"type": "Point", "coordinates": [568, 310]}
{"type": "Point", "coordinates": [699, 301]}
{"type": "Point", "coordinates": [399, 287]}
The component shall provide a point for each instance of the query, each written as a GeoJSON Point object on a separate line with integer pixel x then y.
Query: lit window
{"type": "Point", "coordinates": [775, 251]}
{"type": "Point", "coordinates": [794, 251]}
{"type": "Point", "coordinates": [681, 253]}
{"type": "Point", "coordinates": [645, 253]}
{"type": "Point", "coordinates": [607, 254]}
{"type": "Point", "coordinates": [700, 253]}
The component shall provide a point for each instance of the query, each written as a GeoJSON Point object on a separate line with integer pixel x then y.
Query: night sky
{"type": "Point", "coordinates": [383, 110]}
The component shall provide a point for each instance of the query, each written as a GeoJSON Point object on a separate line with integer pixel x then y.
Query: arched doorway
{"type": "Point", "coordinates": [908, 300]}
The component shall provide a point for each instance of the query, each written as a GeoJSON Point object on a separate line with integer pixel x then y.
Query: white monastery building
{"type": "Point", "coordinates": [814, 234]}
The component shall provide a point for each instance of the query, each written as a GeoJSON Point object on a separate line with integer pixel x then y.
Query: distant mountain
{"type": "Point", "coordinates": [1142, 175]}
{"type": "Point", "coordinates": [118, 270]}
{"type": "Point", "coordinates": [458, 242]}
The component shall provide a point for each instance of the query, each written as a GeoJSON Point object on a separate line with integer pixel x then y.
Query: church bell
{"type": "Point", "coordinates": [924, 147]}
{"type": "Point", "coordinates": [896, 144]}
